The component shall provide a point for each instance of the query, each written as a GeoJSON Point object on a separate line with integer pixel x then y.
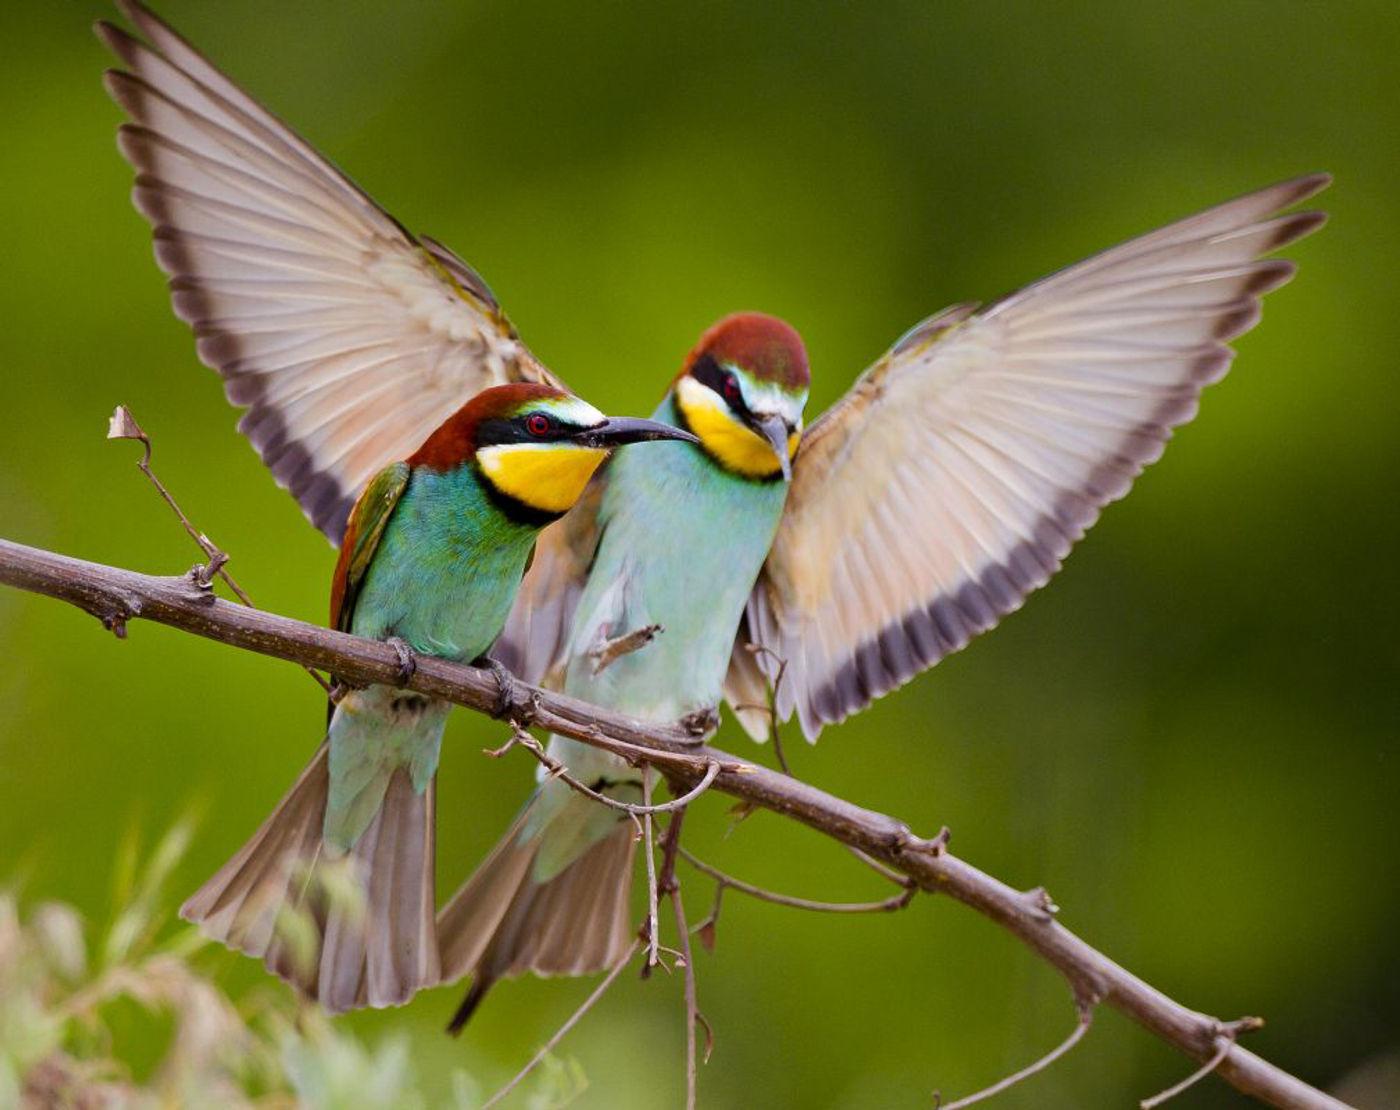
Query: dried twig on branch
{"type": "Point", "coordinates": [117, 596]}
{"type": "Point", "coordinates": [123, 425]}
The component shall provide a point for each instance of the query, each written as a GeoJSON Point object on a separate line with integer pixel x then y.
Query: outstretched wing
{"type": "Point", "coordinates": [347, 339]}
{"type": "Point", "coordinates": [368, 520]}
{"type": "Point", "coordinates": [959, 470]}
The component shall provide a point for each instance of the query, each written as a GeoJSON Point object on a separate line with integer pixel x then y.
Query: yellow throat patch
{"type": "Point", "coordinates": [738, 448]}
{"type": "Point", "coordinates": [546, 476]}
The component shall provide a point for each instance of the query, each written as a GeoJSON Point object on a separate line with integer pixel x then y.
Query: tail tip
{"type": "Point", "coordinates": [469, 1004]}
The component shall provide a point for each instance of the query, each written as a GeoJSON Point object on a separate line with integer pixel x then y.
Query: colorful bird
{"type": "Point", "coordinates": [432, 559]}
{"type": "Point", "coordinates": [943, 488]}
{"type": "Point", "coordinates": [825, 569]}
{"type": "Point", "coordinates": [435, 546]}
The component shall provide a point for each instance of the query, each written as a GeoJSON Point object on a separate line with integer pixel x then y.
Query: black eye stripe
{"type": "Point", "coordinates": [708, 372]}
{"type": "Point", "coordinates": [516, 430]}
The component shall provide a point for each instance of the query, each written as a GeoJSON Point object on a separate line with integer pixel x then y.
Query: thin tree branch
{"type": "Point", "coordinates": [1227, 1036]}
{"type": "Point", "coordinates": [1086, 1016]}
{"type": "Point", "coordinates": [692, 1010]}
{"type": "Point", "coordinates": [122, 425]}
{"type": "Point", "coordinates": [772, 707]}
{"type": "Point", "coordinates": [559, 1033]}
{"type": "Point", "coordinates": [876, 866]}
{"type": "Point", "coordinates": [115, 596]}
{"type": "Point", "coordinates": [653, 926]}
{"type": "Point", "coordinates": [522, 739]}
{"type": "Point", "coordinates": [894, 902]}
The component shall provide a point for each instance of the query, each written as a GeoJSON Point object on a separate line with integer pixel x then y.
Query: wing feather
{"type": "Point", "coordinates": [959, 470]}
{"type": "Point", "coordinates": [346, 338]}
{"type": "Point", "coordinates": [365, 529]}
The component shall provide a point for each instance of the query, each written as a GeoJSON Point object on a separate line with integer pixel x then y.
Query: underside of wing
{"type": "Point", "coordinates": [347, 339]}
{"type": "Point", "coordinates": [959, 470]}
{"type": "Point", "coordinates": [534, 643]}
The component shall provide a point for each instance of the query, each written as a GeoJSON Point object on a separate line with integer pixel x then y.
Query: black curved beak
{"type": "Point", "coordinates": [775, 430]}
{"type": "Point", "coordinates": [617, 430]}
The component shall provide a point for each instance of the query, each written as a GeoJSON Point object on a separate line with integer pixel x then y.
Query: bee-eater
{"type": "Point", "coordinates": [944, 487]}
{"type": "Point", "coordinates": [432, 558]}
{"type": "Point", "coordinates": [317, 307]}
{"type": "Point", "coordinates": [947, 484]}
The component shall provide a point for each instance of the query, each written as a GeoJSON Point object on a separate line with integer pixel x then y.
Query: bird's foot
{"type": "Point", "coordinates": [511, 700]}
{"type": "Point", "coordinates": [408, 666]}
{"type": "Point", "coordinates": [701, 723]}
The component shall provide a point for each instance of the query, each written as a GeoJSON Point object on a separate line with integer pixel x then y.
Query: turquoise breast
{"type": "Point", "coordinates": [683, 541]}
{"type": "Point", "coordinates": [447, 570]}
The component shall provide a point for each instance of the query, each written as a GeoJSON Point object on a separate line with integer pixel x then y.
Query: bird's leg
{"type": "Point", "coordinates": [701, 723]}
{"type": "Point", "coordinates": [511, 702]}
{"type": "Point", "coordinates": [408, 666]}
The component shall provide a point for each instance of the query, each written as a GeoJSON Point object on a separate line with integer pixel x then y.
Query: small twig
{"type": "Point", "coordinates": [1086, 1015]}
{"type": "Point", "coordinates": [123, 425]}
{"type": "Point", "coordinates": [590, 733]}
{"type": "Point", "coordinates": [692, 1011]}
{"type": "Point", "coordinates": [519, 737]}
{"type": "Point", "coordinates": [559, 1034]}
{"type": "Point", "coordinates": [653, 930]}
{"type": "Point", "coordinates": [876, 866]}
{"type": "Point", "coordinates": [670, 848]}
{"type": "Point", "coordinates": [772, 707]}
{"type": "Point", "coordinates": [885, 905]}
{"type": "Point", "coordinates": [607, 651]}
{"type": "Point", "coordinates": [1224, 1041]}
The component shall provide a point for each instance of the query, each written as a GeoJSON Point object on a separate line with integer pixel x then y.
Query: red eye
{"type": "Point", "coordinates": [537, 424]}
{"type": "Point", "coordinates": [731, 390]}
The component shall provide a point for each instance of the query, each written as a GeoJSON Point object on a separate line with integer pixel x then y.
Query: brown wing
{"type": "Point", "coordinates": [347, 339]}
{"type": "Point", "coordinates": [960, 469]}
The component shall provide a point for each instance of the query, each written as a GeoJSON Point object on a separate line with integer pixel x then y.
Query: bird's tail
{"type": "Point", "coordinates": [514, 915]}
{"type": "Point", "coordinates": [350, 929]}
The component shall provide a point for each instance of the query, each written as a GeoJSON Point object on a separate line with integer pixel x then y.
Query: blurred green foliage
{"type": "Point", "coordinates": [75, 1024]}
{"type": "Point", "coordinates": [1190, 738]}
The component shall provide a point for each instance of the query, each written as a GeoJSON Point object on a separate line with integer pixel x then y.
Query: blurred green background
{"type": "Point", "coordinates": [1190, 738]}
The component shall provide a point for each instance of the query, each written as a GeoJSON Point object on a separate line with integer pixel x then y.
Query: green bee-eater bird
{"type": "Point", "coordinates": [435, 545]}
{"type": "Point", "coordinates": [943, 488]}
{"type": "Point", "coordinates": [432, 559]}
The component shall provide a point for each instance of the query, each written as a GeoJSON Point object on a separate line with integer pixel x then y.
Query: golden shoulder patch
{"type": "Point", "coordinates": [546, 476]}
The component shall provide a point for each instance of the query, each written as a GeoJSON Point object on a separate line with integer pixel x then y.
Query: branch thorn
{"type": "Point", "coordinates": [935, 846]}
{"type": "Point", "coordinates": [1039, 902]}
